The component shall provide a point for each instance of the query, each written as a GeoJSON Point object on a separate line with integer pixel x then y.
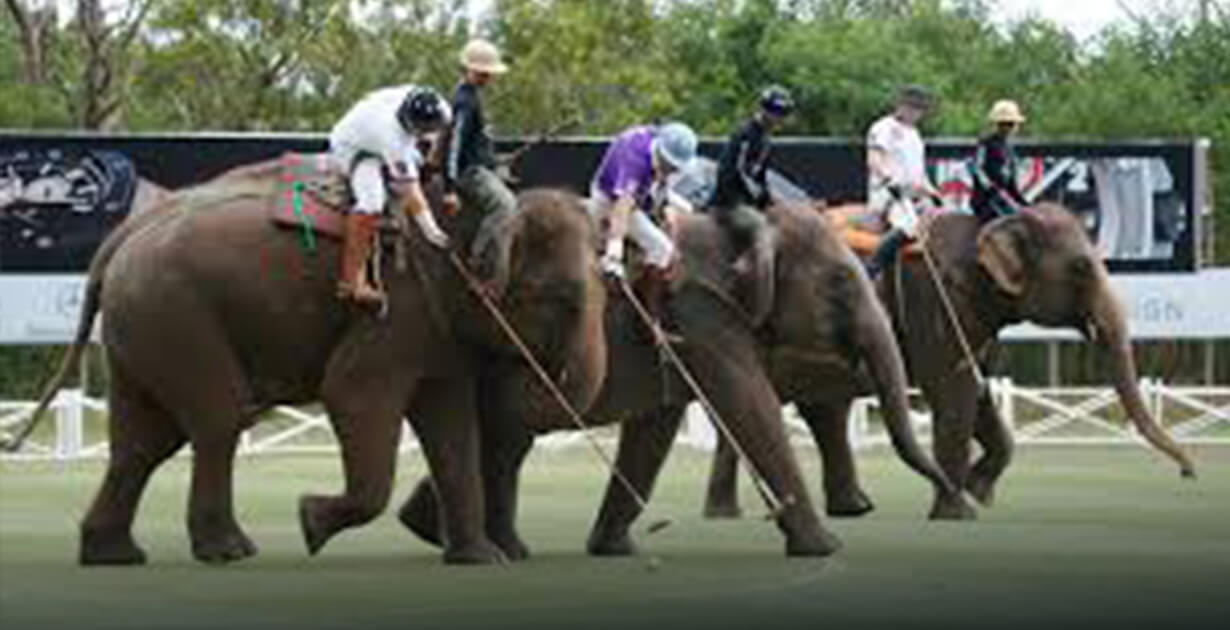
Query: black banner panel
{"type": "Point", "coordinates": [60, 193]}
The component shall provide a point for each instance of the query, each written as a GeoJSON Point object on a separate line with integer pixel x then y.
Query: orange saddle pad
{"type": "Point", "coordinates": [845, 221]}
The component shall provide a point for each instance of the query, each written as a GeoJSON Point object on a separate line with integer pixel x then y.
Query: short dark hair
{"type": "Point", "coordinates": [915, 96]}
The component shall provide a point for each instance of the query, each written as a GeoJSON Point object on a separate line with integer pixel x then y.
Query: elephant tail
{"type": "Point", "coordinates": [85, 325]}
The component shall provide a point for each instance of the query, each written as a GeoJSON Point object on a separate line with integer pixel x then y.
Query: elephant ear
{"type": "Point", "coordinates": [1005, 251]}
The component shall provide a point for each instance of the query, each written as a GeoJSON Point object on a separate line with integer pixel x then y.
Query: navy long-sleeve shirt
{"type": "Point", "coordinates": [995, 185]}
{"type": "Point", "coordinates": [469, 145]}
{"type": "Point", "coordinates": [743, 167]}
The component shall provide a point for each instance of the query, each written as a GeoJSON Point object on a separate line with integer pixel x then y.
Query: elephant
{"type": "Point", "coordinates": [1036, 266]}
{"type": "Point", "coordinates": [824, 321]}
{"type": "Point", "coordinates": [202, 336]}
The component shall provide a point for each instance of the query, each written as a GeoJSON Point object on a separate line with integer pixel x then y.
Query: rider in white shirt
{"type": "Point", "coordinates": [896, 172]}
{"type": "Point", "coordinates": [376, 144]}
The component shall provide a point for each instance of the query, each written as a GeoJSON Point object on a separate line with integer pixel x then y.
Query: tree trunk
{"type": "Point", "coordinates": [34, 28]}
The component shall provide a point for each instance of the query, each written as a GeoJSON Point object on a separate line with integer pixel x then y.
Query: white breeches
{"type": "Point", "coordinates": [898, 213]}
{"type": "Point", "coordinates": [656, 245]}
{"type": "Point", "coordinates": [366, 181]}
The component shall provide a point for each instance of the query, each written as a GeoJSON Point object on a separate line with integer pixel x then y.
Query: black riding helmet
{"type": "Point", "coordinates": [776, 100]}
{"type": "Point", "coordinates": [423, 108]}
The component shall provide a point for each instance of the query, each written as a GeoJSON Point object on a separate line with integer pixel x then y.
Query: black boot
{"type": "Point", "coordinates": [887, 251]}
{"type": "Point", "coordinates": [651, 289]}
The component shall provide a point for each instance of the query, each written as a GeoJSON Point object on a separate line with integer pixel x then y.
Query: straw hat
{"type": "Point", "coordinates": [481, 55]}
{"type": "Point", "coordinates": [1006, 112]}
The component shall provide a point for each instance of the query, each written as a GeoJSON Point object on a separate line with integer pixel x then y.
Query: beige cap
{"type": "Point", "coordinates": [481, 55]}
{"type": "Point", "coordinates": [1006, 111]}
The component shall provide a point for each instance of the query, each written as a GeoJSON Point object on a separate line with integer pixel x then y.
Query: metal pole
{"type": "Point", "coordinates": [1210, 362]}
{"type": "Point", "coordinates": [1052, 363]}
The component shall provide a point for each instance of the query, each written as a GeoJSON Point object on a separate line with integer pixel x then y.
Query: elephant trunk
{"type": "Point", "coordinates": [883, 357]}
{"type": "Point", "coordinates": [1110, 328]}
{"type": "Point", "coordinates": [585, 368]}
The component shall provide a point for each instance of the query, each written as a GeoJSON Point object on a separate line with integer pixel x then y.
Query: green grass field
{"type": "Point", "coordinates": [1099, 536]}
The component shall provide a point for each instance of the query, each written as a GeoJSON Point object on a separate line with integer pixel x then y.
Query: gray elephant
{"type": "Point", "coordinates": [202, 334]}
{"type": "Point", "coordinates": [824, 321]}
{"type": "Point", "coordinates": [1037, 266]}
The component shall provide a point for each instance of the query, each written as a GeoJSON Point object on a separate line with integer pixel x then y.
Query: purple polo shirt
{"type": "Point", "coordinates": [627, 167]}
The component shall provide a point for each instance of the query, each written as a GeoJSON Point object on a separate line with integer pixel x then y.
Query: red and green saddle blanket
{"type": "Point", "coordinates": [309, 197]}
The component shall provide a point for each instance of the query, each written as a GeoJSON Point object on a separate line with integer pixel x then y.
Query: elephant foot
{"type": "Point", "coordinates": [848, 504]}
{"type": "Point", "coordinates": [611, 546]}
{"type": "Point", "coordinates": [312, 522]}
{"type": "Point", "coordinates": [714, 510]}
{"type": "Point", "coordinates": [479, 552]}
{"type": "Point", "coordinates": [420, 515]}
{"type": "Point", "coordinates": [511, 544]}
{"type": "Point", "coordinates": [812, 545]}
{"type": "Point", "coordinates": [109, 549]}
{"type": "Point", "coordinates": [222, 547]}
{"type": "Point", "coordinates": [982, 489]}
{"type": "Point", "coordinates": [952, 508]}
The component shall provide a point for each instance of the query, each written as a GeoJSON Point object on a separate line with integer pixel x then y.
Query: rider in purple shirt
{"type": "Point", "coordinates": [632, 175]}
{"type": "Point", "coordinates": [627, 167]}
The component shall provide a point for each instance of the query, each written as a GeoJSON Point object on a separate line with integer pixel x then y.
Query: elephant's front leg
{"type": "Point", "coordinates": [731, 376]}
{"type": "Point", "coordinates": [996, 440]}
{"type": "Point", "coordinates": [722, 497]}
{"type": "Point", "coordinates": [504, 447]}
{"type": "Point", "coordinates": [954, 404]}
{"type": "Point", "coordinates": [830, 426]}
{"type": "Point", "coordinates": [644, 442]}
{"type": "Point", "coordinates": [445, 418]}
{"type": "Point", "coordinates": [504, 450]}
{"type": "Point", "coordinates": [367, 422]}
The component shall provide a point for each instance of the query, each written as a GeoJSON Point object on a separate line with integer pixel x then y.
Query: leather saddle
{"type": "Point", "coordinates": [312, 196]}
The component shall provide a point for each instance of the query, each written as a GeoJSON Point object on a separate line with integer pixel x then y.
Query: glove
{"type": "Point", "coordinates": [437, 237]}
{"type": "Point", "coordinates": [612, 266]}
{"type": "Point", "coordinates": [896, 190]}
{"type": "Point", "coordinates": [431, 231]}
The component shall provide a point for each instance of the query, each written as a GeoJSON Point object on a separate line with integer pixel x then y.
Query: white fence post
{"type": "Point", "coordinates": [70, 418]}
{"type": "Point", "coordinates": [699, 429]}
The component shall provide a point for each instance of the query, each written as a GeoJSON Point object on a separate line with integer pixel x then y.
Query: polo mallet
{"type": "Point", "coordinates": [476, 286]}
{"type": "Point", "coordinates": [776, 506]}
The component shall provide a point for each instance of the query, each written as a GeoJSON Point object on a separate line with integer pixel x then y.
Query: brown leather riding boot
{"type": "Point", "coordinates": [352, 283]}
{"type": "Point", "coordinates": [651, 289]}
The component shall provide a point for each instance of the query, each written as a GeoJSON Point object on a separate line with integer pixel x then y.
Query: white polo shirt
{"type": "Point", "coordinates": [371, 126]}
{"type": "Point", "coordinates": [904, 147]}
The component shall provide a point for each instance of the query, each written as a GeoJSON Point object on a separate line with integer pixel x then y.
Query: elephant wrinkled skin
{"type": "Point", "coordinates": [824, 318]}
{"type": "Point", "coordinates": [1037, 266]}
{"type": "Point", "coordinates": [213, 315]}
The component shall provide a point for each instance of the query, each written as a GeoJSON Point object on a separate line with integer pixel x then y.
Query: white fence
{"type": "Point", "coordinates": [1041, 415]}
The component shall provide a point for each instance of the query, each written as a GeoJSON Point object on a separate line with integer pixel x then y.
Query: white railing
{"type": "Point", "coordinates": [1039, 415]}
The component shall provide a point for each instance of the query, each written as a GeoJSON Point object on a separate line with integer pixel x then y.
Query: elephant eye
{"type": "Point", "coordinates": [1080, 268]}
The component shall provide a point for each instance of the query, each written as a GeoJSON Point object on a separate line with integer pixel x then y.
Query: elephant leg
{"type": "Point", "coordinates": [741, 392]}
{"type": "Point", "coordinates": [445, 418]}
{"type": "Point", "coordinates": [216, 536]}
{"type": "Point", "coordinates": [722, 499]}
{"type": "Point", "coordinates": [995, 438]}
{"type": "Point", "coordinates": [830, 426]}
{"type": "Point", "coordinates": [142, 436]}
{"type": "Point", "coordinates": [644, 442]}
{"type": "Point", "coordinates": [954, 407]}
{"type": "Point", "coordinates": [504, 447]}
{"type": "Point", "coordinates": [421, 513]}
{"type": "Point", "coordinates": [367, 423]}
{"type": "Point", "coordinates": [502, 459]}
